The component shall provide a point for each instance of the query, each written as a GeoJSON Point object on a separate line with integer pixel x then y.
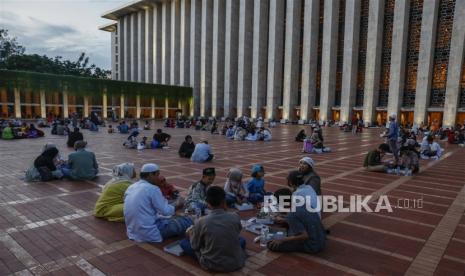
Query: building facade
{"type": "Point", "coordinates": [300, 59]}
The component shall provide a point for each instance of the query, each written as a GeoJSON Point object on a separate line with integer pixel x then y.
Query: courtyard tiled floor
{"type": "Point", "coordinates": [48, 228]}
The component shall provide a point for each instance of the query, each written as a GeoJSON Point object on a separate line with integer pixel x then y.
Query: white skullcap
{"type": "Point", "coordinates": [308, 160]}
{"type": "Point", "coordinates": [149, 168]}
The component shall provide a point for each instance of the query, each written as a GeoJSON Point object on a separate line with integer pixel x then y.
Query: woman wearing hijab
{"type": "Point", "coordinates": [74, 136]}
{"type": "Point", "coordinates": [110, 204]}
{"type": "Point", "coordinates": [235, 190]}
{"type": "Point", "coordinates": [45, 165]}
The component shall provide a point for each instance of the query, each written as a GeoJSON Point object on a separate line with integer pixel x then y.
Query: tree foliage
{"type": "Point", "coordinates": [12, 57]}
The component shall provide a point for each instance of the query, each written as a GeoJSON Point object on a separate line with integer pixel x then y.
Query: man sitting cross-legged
{"type": "Point", "coordinates": [214, 239]}
{"type": "Point", "coordinates": [143, 205]}
{"type": "Point", "coordinates": [305, 230]}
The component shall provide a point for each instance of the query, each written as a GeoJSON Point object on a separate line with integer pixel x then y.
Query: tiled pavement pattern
{"type": "Point", "coordinates": [48, 228]}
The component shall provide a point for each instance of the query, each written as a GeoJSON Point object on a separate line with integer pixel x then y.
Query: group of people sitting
{"type": "Point", "coordinates": [404, 147]}
{"type": "Point", "coordinates": [160, 140]}
{"type": "Point", "coordinates": [199, 153]}
{"type": "Point", "coordinates": [8, 131]}
{"type": "Point", "coordinates": [153, 212]}
{"type": "Point", "coordinates": [312, 142]}
{"type": "Point", "coordinates": [49, 165]}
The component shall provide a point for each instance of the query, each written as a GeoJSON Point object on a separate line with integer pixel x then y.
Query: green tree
{"type": "Point", "coordinates": [9, 46]}
{"type": "Point", "coordinates": [12, 57]}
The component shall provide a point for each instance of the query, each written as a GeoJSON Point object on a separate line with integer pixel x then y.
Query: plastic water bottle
{"type": "Point", "coordinates": [264, 236]}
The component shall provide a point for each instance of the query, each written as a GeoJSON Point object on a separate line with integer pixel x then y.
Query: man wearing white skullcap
{"type": "Point", "coordinates": [144, 205]}
{"type": "Point", "coordinates": [306, 167]}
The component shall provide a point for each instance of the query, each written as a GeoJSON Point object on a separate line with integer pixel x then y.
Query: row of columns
{"type": "Point", "coordinates": [231, 53]}
{"type": "Point", "coordinates": [86, 105]}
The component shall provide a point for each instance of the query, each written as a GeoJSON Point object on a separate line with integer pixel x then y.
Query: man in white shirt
{"type": "Point", "coordinates": [144, 205]}
{"type": "Point", "coordinates": [202, 152]}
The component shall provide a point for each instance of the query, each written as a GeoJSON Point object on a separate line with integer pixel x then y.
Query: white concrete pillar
{"type": "Point", "coordinates": [245, 54]}
{"type": "Point", "coordinates": [230, 58]}
{"type": "Point", "coordinates": [373, 60]}
{"type": "Point", "coordinates": [166, 42]}
{"type": "Point", "coordinates": [167, 106]}
{"type": "Point", "coordinates": [291, 58]}
{"type": "Point", "coordinates": [426, 60]}
{"type": "Point", "coordinates": [260, 56]}
{"type": "Point", "coordinates": [219, 17]}
{"type": "Point", "coordinates": [86, 106]}
{"type": "Point", "coordinates": [43, 104]}
{"type": "Point", "coordinates": [141, 54]}
{"type": "Point", "coordinates": [398, 56]}
{"type": "Point", "coordinates": [185, 45]}
{"type": "Point", "coordinates": [104, 104]}
{"type": "Point", "coordinates": [121, 107]}
{"type": "Point", "coordinates": [65, 104]}
{"type": "Point", "coordinates": [148, 38]}
{"type": "Point", "coordinates": [121, 48]}
{"type": "Point", "coordinates": [157, 43]}
{"type": "Point", "coordinates": [138, 109]}
{"type": "Point", "coordinates": [454, 70]}
{"type": "Point", "coordinates": [310, 58]}
{"type": "Point", "coordinates": [152, 105]}
{"type": "Point", "coordinates": [127, 48]}
{"type": "Point", "coordinates": [275, 58]}
{"type": "Point", "coordinates": [175, 42]}
{"type": "Point", "coordinates": [195, 54]}
{"type": "Point", "coordinates": [134, 60]}
{"type": "Point", "coordinates": [350, 61]}
{"type": "Point", "coordinates": [329, 58]}
{"type": "Point", "coordinates": [17, 95]}
{"type": "Point", "coordinates": [206, 58]}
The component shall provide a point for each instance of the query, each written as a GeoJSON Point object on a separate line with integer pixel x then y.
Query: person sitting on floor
{"type": "Point", "coordinates": [131, 142]}
{"type": "Point", "coordinates": [214, 240]}
{"type": "Point", "coordinates": [301, 136]}
{"type": "Point", "coordinates": [431, 150]}
{"type": "Point", "coordinates": [162, 138]}
{"type": "Point", "coordinates": [372, 161]}
{"type": "Point", "coordinates": [306, 167]}
{"type": "Point", "coordinates": [147, 125]}
{"type": "Point", "coordinates": [195, 201]}
{"type": "Point", "coordinates": [45, 165]}
{"type": "Point", "coordinates": [82, 164]}
{"type": "Point", "coordinates": [256, 185]}
{"type": "Point", "coordinates": [74, 136]}
{"type": "Point", "coordinates": [110, 203]}
{"type": "Point", "coordinates": [202, 152]}
{"type": "Point", "coordinates": [33, 132]}
{"type": "Point", "coordinates": [305, 231]}
{"type": "Point", "coordinates": [35, 174]}
{"type": "Point", "coordinates": [187, 147]}
{"type": "Point", "coordinates": [144, 205]}
{"type": "Point", "coordinates": [409, 158]}
{"type": "Point", "coordinates": [110, 130]}
{"type": "Point", "coordinates": [123, 128]}
{"type": "Point", "coordinates": [7, 133]}
{"type": "Point", "coordinates": [234, 188]}
{"type": "Point", "coordinates": [230, 132]}
{"type": "Point", "coordinates": [168, 190]}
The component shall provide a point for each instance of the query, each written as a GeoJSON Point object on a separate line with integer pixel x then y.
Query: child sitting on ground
{"type": "Point", "coordinates": [168, 190]}
{"type": "Point", "coordinates": [235, 191]}
{"type": "Point", "coordinates": [110, 129]}
{"type": "Point", "coordinates": [256, 186]}
{"type": "Point", "coordinates": [147, 125]}
{"type": "Point", "coordinates": [131, 142]}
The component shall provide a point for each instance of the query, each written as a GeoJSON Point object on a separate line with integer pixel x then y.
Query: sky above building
{"type": "Point", "coordinates": [60, 27]}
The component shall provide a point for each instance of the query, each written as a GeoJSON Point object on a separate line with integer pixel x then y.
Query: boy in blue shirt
{"type": "Point", "coordinates": [256, 186]}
